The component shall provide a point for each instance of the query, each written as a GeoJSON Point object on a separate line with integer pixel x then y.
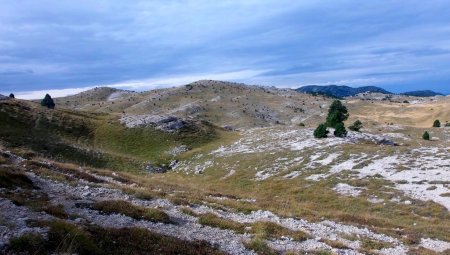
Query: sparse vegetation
{"type": "Point", "coordinates": [260, 246]}
{"type": "Point", "coordinates": [28, 242]}
{"type": "Point", "coordinates": [369, 245]}
{"type": "Point", "coordinates": [130, 210]}
{"type": "Point", "coordinates": [270, 230]}
{"type": "Point", "coordinates": [212, 220]}
{"type": "Point", "coordinates": [91, 140]}
{"type": "Point", "coordinates": [12, 179]}
{"type": "Point", "coordinates": [66, 238]}
{"type": "Point", "coordinates": [356, 126]}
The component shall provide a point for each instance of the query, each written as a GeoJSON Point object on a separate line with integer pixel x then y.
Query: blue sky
{"type": "Point", "coordinates": [64, 47]}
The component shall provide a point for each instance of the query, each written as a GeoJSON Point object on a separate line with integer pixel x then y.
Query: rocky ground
{"type": "Point", "coordinates": [76, 198]}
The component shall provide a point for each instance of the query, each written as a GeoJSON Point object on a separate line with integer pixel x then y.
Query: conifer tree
{"type": "Point", "coordinates": [48, 102]}
{"type": "Point", "coordinates": [321, 131]}
{"type": "Point", "coordinates": [426, 136]}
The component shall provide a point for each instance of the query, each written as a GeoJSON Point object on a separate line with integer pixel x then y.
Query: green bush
{"type": "Point", "coordinates": [321, 131]}
{"type": "Point", "coordinates": [48, 102]}
{"type": "Point", "coordinates": [337, 113]}
{"type": "Point", "coordinates": [340, 130]}
{"type": "Point", "coordinates": [426, 136]}
{"type": "Point", "coordinates": [437, 123]}
{"type": "Point", "coordinates": [357, 125]}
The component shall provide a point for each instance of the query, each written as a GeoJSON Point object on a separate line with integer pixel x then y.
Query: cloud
{"type": "Point", "coordinates": [146, 84]}
{"type": "Point", "coordinates": [150, 43]}
{"type": "Point", "coordinates": [38, 94]}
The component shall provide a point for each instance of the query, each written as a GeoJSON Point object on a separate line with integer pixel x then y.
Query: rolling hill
{"type": "Point", "coordinates": [222, 168]}
{"type": "Point", "coordinates": [225, 104]}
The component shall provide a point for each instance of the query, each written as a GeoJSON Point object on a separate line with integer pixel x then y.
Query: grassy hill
{"type": "Point", "coordinates": [93, 138]}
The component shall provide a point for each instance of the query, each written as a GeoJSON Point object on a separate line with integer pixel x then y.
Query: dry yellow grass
{"type": "Point", "coordinates": [420, 115]}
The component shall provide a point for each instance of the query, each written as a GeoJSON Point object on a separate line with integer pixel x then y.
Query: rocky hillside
{"type": "Point", "coordinates": [223, 168]}
{"type": "Point", "coordinates": [225, 104]}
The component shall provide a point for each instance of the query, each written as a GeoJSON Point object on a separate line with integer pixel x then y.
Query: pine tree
{"type": "Point", "coordinates": [437, 123]}
{"type": "Point", "coordinates": [48, 102]}
{"type": "Point", "coordinates": [357, 125]}
{"type": "Point", "coordinates": [426, 136]}
{"type": "Point", "coordinates": [321, 131]}
{"type": "Point", "coordinates": [340, 130]}
{"type": "Point", "coordinates": [337, 113]}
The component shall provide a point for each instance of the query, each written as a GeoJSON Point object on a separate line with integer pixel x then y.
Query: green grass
{"type": "Point", "coordinates": [212, 220]}
{"type": "Point", "coordinates": [260, 247]}
{"type": "Point", "coordinates": [96, 140]}
{"type": "Point", "coordinates": [270, 230]}
{"type": "Point", "coordinates": [368, 245]}
{"type": "Point", "coordinates": [133, 211]}
{"type": "Point", "coordinates": [188, 211]}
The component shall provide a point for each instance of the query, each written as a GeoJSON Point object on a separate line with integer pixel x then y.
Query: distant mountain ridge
{"type": "Point", "coordinates": [340, 91]}
{"type": "Point", "coordinates": [346, 91]}
{"type": "Point", "coordinates": [422, 93]}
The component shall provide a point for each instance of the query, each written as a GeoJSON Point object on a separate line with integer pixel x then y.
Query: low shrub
{"type": "Point", "coordinates": [212, 220]}
{"type": "Point", "coordinates": [28, 242]}
{"type": "Point", "coordinates": [133, 211]}
{"type": "Point", "coordinates": [270, 230]}
{"type": "Point", "coordinates": [259, 246]}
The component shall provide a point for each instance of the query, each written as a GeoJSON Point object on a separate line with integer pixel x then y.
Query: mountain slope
{"type": "Point", "coordinates": [340, 91]}
{"type": "Point", "coordinates": [96, 139]}
{"type": "Point", "coordinates": [222, 103]}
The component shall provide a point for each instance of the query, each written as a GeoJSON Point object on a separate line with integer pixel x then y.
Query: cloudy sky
{"type": "Point", "coordinates": [63, 47]}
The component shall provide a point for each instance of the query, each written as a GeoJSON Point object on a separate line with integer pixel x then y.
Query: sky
{"type": "Point", "coordinates": [64, 47]}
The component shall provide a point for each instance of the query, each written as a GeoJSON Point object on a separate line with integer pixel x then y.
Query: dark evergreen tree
{"type": "Point", "coordinates": [336, 114]}
{"type": "Point", "coordinates": [357, 125]}
{"type": "Point", "coordinates": [321, 131]}
{"type": "Point", "coordinates": [48, 102]}
{"type": "Point", "coordinates": [437, 123]}
{"type": "Point", "coordinates": [11, 95]}
{"type": "Point", "coordinates": [340, 130]}
{"type": "Point", "coordinates": [426, 136]}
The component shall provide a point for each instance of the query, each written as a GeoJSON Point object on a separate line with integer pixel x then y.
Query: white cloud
{"type": "Point", "coordinates": [185, 79]}
{"type": "Point", "coordinates": [37, 94]}
{"type": "Point", "coordinates": [146, 84]}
